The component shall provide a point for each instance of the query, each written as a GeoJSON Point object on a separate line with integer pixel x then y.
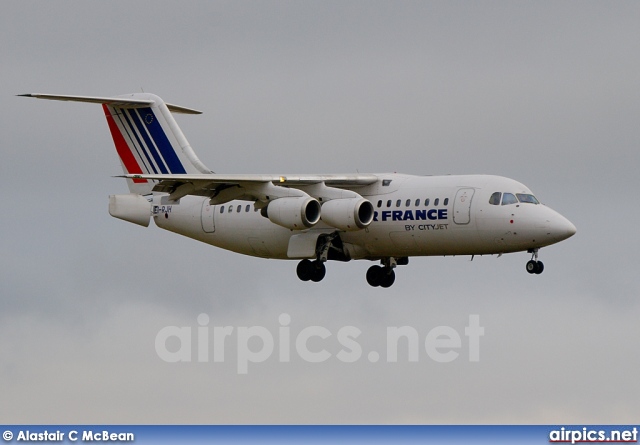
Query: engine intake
{"type": "Point", "coordinates": [348, 214]}
{"type": "Point", "coordinates": [293, 213]}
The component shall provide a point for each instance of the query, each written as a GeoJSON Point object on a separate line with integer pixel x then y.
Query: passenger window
{"type": "Point", "coordinates": [379, 203]}
{"type": "Point", "coordinates": [446, 201]}
{"type": "Point", "coordinates": [408, 203]}
{"type": "Point", "coordinates": [398, 202]}
{"type": "Point", "coordinates": [436, 201]}
{"type": "Point", "coordinates": [247, 208]}
{"type": "Point", "coordinates": [417, 202]}
{"type": "Point", "coordinates": [509, 198]}
{"type": "Point", "coordinates": [239, 209]}
{"type": "Point", "coordinates": [495, 199]}
{"type": "Point", "coordinates": [230, 209]}
{"type": "Point", "coordinates": [389, 203]}
{"type": "Point", "coordinates": [426, 202]}
{"type": "Point", "coordinates": [221, 209]}
{"type": "Point", "coordinates": [529, 199]}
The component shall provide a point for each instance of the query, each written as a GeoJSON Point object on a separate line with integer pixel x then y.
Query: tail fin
{"type": "Point", "coordinates": [149, 141]}
{"type": "Point", "coordinates": [147, 137]}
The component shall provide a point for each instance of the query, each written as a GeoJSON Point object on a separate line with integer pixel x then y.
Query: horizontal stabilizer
{"type": "Point", "coordinates": [119, 101]}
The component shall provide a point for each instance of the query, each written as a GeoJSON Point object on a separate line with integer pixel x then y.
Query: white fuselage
{"type": "Point", "coordinates": [414, 216]}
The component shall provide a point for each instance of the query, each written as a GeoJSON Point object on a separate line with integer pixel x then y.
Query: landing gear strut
{"type": "Point", "coordinates": [534, 266]}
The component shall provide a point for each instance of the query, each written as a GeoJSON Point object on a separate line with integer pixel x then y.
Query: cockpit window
{"type": "Point", "coordinates": [495, 199]}
{"type": "Point", "coordinates": [529, 199]}
{"type": "Point", "coordinates": [509, 198]}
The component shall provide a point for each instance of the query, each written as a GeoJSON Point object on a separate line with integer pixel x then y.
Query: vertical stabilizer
{"type": "Point", "coordinates": [148, 140]}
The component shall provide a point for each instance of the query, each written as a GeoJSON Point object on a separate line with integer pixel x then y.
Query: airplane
{"type": "Point", "coordinates": [383, 217]}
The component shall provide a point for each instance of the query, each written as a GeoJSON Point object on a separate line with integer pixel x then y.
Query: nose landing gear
{"type": "Point", "coordinates": [534, 266]}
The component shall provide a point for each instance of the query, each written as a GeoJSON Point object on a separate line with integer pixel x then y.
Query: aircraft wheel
{"type": "Point", "coordinates": [532, 266]}
{"type": "Point", "coordinates": [539, 267]}
{"type": "Point", "coordinates": [374, 275]}
{"type": "Point", "coordinates": [305, 270]}
{"type": "Point", "coordinates": [318, 271]}
{"type": "Point", "coordinates": [388, 278]}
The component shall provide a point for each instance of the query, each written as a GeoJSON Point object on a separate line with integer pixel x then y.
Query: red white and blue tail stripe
{"type": "Point", "coordinates": [149, 141]}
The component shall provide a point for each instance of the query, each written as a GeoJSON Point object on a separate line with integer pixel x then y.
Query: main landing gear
{"type": "Point", "coordinates": [384, 275]}
{"type": "Point", "coordinates": [315, 271]}
{"type": "Point", "coordinates": [380, 276]}
{"type": "Point", "coordinates": [534, 266]}
{"type": "Point", "coordinates": [311, 270]}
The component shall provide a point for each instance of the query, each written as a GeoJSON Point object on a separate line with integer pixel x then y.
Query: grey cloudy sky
{"type": "Point", "coordinates": [547, 93]}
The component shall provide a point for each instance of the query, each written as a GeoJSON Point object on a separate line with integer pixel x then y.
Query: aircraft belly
{"type": "Point", "coordinates": [265, 240]}
{"type": "Point", "coordinates": [247, 233]}
{"type": "Point", "coordinates": [417, 239]}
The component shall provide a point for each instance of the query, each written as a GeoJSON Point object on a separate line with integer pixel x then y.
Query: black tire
{"type": "Point", "coordinates": [388, 278]}
{"type": "Point", "coordinates": [318, 271]}
{"type": "Point", "coordinates": [539, 268]}
{"type": "Point", "coordinates": [532, 266]}
{"type": "Point", "coordinates": [304, 270]}
{"type": "Point", "coordinates": [374, 274]}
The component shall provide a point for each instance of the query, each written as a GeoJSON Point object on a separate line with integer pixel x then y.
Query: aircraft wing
{"type": "Point", "coordinates": [224, 188]}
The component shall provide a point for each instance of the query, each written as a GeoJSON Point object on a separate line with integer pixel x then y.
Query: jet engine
{"type": "Point", "coordinates": [348, 214]}
{"type": "Point", "coordinates": [293, 213]}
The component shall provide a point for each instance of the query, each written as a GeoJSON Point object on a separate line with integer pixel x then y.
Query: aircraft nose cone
{"type": "Point", "coordinates": [562, 228]}
{"type": "Point", "coordinates": [571, 229]}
